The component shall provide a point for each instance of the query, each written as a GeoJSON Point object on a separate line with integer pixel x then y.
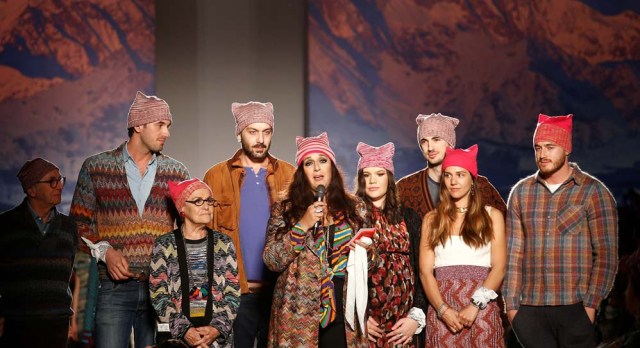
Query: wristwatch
{"type": "Point", "coordinates": [478, 304]}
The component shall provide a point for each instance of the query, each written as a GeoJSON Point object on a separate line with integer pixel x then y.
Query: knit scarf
{"type": "Point", "coordinates": [332, 247]}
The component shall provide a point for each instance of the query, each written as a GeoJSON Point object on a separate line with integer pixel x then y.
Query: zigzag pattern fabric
{"type": "Point", "coordinates": [457, 284]}
{"type": "Point", "coordinates": [104, 208]}
{"type": "Point", "coordinates": [413, 190]}
{"type": "Point", "coordinates": [297, 299]}
{"type": "Point", "coordinates": [165, 287]}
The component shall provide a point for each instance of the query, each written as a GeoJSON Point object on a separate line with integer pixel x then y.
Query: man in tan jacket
{"type": "Point", "coordinates": [254, 177]}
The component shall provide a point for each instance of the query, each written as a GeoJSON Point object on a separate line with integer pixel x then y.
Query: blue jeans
{"type": "Point", "coordinates": [252, 321]}
{"type": "Point", "coordinates": [120, 307]}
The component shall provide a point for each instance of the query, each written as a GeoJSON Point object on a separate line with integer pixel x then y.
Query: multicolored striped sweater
{"type": "Point", "coordinates": [104, 208]}
{"type": "Point", "coordinates": [165, 287]}
{"type": "Point", "coordinates": [35, 269]}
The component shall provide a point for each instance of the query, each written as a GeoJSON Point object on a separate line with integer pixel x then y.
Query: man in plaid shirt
{"type": "Point", "coordinates": [562, 237]}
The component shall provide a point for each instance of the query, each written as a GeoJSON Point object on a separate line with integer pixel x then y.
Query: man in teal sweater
{"type": "Point", "coordinates": [37, 250]}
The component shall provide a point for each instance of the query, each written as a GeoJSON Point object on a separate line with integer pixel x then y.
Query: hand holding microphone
{"type": "Point", "coordinates": [315, 212]}
{"type": "Point", "coordinates": [319, 207]}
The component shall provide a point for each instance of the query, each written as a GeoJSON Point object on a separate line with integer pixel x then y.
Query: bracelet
{"type": "Point", "coordinates": [441, 309]}
{"type": "Point", "coordinates": [478, 304]}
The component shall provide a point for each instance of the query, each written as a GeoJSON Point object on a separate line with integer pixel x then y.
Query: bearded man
{"type": "Point", "coordinates": [244, 188]}
{"type": "Point", "coordinates": [562, 245]}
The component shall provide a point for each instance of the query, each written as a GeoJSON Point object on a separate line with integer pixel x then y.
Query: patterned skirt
{"type": "Point", "coordinates": [457, 284]}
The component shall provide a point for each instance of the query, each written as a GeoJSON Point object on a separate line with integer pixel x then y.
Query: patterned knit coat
{"type": "Point", "coordinates": [104, 208]}
{"type": "Point", "coordinates": [413, 190]}
{"type": "Point", "coordinates": [35, 269]}
{"type": "Point", "coordinates": [165, 287]}
{"type": "Point", "coordinates": [295, 314]}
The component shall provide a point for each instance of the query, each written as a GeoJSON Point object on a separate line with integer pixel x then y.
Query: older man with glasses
{"type": "Point", "coordinates": [37, 251]}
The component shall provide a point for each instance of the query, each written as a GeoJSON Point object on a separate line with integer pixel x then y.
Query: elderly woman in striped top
{"type": "Point", "coordinates": [194, 273]}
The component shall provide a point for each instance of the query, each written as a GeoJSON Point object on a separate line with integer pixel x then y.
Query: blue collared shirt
{"type": "Point", "coordinates": [254, 216]}
{"type": "Point", "coordinates": [43, 226]}
{"type": "Point", "coordinates": [139, 185]}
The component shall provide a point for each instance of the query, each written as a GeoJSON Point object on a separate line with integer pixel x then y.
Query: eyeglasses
{"type": "Point", "coordinates": [199, 202]}
{"type": "Point", "coordinates": [54, 182]}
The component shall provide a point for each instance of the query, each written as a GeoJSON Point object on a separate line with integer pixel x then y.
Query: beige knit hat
{"type": "Point", "coordinates": [251, 112]}
{"type": "Point", "coordinates": [437, 125]}
{"type": "Point", "coordinates": [147, 109]}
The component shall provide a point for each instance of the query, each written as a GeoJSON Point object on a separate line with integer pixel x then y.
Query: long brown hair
{"type": "Point", "coordinates": [300, 196]}
{"type": "Point", "coordinates": [392, 209]}
{"type": "Point", "coordinates": [476, 230]}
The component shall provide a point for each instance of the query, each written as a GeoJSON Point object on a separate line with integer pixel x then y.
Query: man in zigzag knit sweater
{"type": "Point", "coordinates": [37, 251]}
{"type": "Point", "coordinates": [121, 205]}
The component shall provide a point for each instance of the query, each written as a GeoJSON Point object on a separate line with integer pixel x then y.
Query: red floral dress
{"type": "Point", "coordinates": [392, 284]}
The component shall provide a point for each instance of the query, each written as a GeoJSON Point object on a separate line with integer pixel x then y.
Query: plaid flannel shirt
{"type": "Point", "coordinates": [562, 247]}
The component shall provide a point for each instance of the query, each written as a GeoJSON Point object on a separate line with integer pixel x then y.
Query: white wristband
{"type": "Point", "coordinates": [483, 296]}
{"type": "Point", "coordinates": [417, 314]}
{"type": "Point", "coordinates": [98, 250]}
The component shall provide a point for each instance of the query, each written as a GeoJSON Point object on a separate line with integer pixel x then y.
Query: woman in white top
{"type": "Point", "coordinates": [462, 260]}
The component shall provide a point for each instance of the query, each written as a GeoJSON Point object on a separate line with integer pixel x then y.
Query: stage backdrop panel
{"type": "Point", "coordinates": [69, 71]}
{"type": "Point", "coordinates": [373, 66]}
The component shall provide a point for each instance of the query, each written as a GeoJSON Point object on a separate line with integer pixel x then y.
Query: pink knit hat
{"type": "Point", "coordinates": [252, 112]}
{"type": "Point", "coordinates": [180, 191]}
{"type": "Point", "coordinates": [556, 129]}
{"type": "Point", "coordinates": [466, 159]}
{"type": "Point", "coordinates": [310, 145]}
{"type": "Point", "coordinates": [33, 171]}
{"type": "Point", "coordinates": [376, 156]}
{"type": "Point", "coordinates": [437, 125]}
{"type": "Point", "coordinates": [147, 109]}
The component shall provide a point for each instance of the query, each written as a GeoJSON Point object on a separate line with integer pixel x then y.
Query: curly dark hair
{"type": "Point", "coordinates": [392, 208]}
{"type": "Point", "coordinates": [301, 195]}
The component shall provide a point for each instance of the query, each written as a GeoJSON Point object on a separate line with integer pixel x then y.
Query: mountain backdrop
{"type": "Point", "coordinates": [495, 65]}
{"type": "Point", "coordinates": [69, 71]}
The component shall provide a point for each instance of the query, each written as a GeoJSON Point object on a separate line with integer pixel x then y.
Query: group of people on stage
{"type": "Point", "coordinates": [265, 253]}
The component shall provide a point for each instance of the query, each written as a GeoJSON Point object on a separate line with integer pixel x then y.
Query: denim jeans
{"type": "Point", "coordinates": [120, 307]}
{"type": "Point", "coordinates": [252, 321]}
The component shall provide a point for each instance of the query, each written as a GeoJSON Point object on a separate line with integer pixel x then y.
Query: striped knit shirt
{"type": "Point", "coordinates": [562, 246]}
{"type": "Point", "coordinates": [105, 209]}
{"type": "Point", "coordinates": [165, 287]}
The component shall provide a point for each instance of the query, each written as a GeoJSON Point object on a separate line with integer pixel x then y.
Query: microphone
{"type": "Point", "coordinates": [320, 195]}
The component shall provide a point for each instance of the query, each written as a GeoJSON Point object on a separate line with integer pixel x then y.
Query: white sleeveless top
{"type": "Point", "coordinates": [456, 253]}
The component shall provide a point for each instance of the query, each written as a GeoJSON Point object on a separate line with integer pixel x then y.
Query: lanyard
{"type": "Point", "coordinates": [185, 270]}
